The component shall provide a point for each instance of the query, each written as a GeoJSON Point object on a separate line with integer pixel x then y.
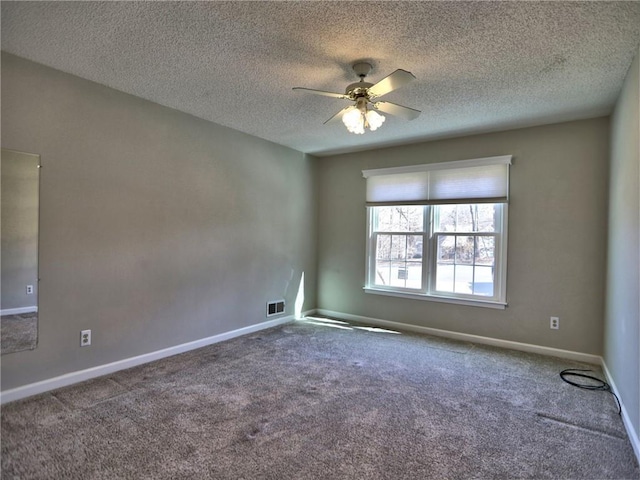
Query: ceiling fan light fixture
{"type": "Point", "coordinates": [354, 121]}
{"type": "Point", "coordinates": [359, 118]}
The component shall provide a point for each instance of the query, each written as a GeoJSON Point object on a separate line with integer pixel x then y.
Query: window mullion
{"type": "Point", "coordinates": [426, 249]}
{"type": "Point", "coordinates": [473, 265]}
{"type": "Point", "coordinates": [455, 260]}
{"type": "Point", "coordinates": [372, 256]}
{"type": "Point", "coordinates": [372, 248]}
{"type": "Point", "coordinates": [406, 266]}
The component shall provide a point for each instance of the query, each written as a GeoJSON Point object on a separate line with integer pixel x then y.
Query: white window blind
{"type": "Point", "coordinates": [466, 181]}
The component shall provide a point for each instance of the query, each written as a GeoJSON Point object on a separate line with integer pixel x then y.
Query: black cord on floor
{"type": "Point", "coordinates": [601, 385]}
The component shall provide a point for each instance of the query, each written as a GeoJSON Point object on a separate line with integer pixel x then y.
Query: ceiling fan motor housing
{"type": "Point", "coordinates": [359, 89]}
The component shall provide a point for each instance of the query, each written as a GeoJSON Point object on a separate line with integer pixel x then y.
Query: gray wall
{"type": "Point", "coordinates": [19, 216]}
{"type": "Point", "coordinates": [557, 235]}
{"type": "Point", "coordinates": [622, 319]}
{"type": "Point", "coordinates": [156, 228]}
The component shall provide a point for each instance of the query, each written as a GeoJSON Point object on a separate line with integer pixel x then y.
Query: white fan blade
{"type": "Point", "coordinates": [397, 110]}
{"type": "Point", "coordinates": [322, 92]}
{"type": "Point", "coordinates": [391, 82]}
{"type": "Point", "coordinates": [338, 116]}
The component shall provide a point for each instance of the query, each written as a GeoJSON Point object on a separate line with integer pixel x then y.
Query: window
{"type": "Point", "coordinates": [438, 231]}
{"type": "Point", "coordinates": [398, 241]}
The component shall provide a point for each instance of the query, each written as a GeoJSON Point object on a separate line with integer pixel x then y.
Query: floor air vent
{"type": "Point", "coordinates": [275, 308]}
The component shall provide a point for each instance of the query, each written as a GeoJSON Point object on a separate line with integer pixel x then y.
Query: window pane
{"type": "Point", "coordinates": [464, 250]}
{"type": "Point", "coordinates": [463, 279]}
{"type": "Point", "coordinates": [466, 218]}
{"type": "Point", "coordinates": [383, 247]}
{"type": "Point", "coordinates": [382, 272]}
{"type": "Point", "coordinates": [446, 249]}
{"type": "Point", "coordinates": [414, 246]}
{"type": "Point", "coordinates": [486, 217]}
{"type": "Point", "coordinates": [445, 257]}
{"type": "Point", "coordinates": [483, 281]}
{"type": "Point", "coordinates": [465, 221]}
{"type": "Point", "coordinates": [445, 218]}
{"type": "Point", "coordinates": [398, 274]}
{"type": "Point", "coordinates": [414, 275]}
{"type": "Point", "coordinates": [400, 219]}
{"type": "Point", "coordinates": [444, 278]}
{"type": "Point", "coordinates": [398, 247]}
{"type": "Point", "coordinates": [485, 250]}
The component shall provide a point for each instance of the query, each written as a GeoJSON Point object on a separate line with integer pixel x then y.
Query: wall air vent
{"type": "Point", "coordinates": [275, 308]}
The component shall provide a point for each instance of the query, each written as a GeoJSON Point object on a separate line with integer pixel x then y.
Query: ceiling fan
{"type": "Point", "coordinates": [362, 114]}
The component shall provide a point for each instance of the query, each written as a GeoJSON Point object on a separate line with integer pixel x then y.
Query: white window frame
{"type": "Point", "coordinates": [429, 246]}
{"type": "Point", "coordinates": [500, 259]}
{"type": "Point", "coordinates": [371, 249]}
{"type": "Point", "coordinates": [429, 262]}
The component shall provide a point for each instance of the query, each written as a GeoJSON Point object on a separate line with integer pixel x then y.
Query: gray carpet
{"type": "Point", "coordinates": [18, 332]}
{"type": "Point", "coordinates": [322, 400]}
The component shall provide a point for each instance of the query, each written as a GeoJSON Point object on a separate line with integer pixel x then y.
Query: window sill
{"type": "Point", "coordinates": [433, 298]}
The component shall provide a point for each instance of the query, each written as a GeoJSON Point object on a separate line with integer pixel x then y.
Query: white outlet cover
{"type": "Point", "coordinates": [85, 338]}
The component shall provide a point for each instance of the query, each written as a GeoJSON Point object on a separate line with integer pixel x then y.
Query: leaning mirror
{"type": "Point", "coordinates": [19, 192]}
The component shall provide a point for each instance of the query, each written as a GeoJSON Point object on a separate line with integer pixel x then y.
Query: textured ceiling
{"type": "Point", "coordinates": [480, 66]}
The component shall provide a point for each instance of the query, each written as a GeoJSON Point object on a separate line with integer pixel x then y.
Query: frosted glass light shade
{"type": "Point", "coordinates": [375, 120]}
{"type": "Point", "coordinates": [354, 121]}
{"type": "Point", "coordinates": [359, 117]}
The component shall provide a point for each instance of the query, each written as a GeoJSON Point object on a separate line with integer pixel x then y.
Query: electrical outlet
{"type": "Point", "coordinates": [554, 323]}
{"type": "Point", "coordinates": [29, 289]}
{"type": "Point", "coordinates": [85, 338]}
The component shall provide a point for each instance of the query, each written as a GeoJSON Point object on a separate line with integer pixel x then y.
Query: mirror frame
{"type": "Point", "coordinates": [18, 332]}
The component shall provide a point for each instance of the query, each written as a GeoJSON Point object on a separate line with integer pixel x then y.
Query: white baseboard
{"type": "Point", "coordinates": [466, 337]}
{"type": "Point", "coordinates": [631, 431]}
{"type": "Point", "coordinates": [89, 373]}
{"type": "Point", "coordinates": [18, 311]}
